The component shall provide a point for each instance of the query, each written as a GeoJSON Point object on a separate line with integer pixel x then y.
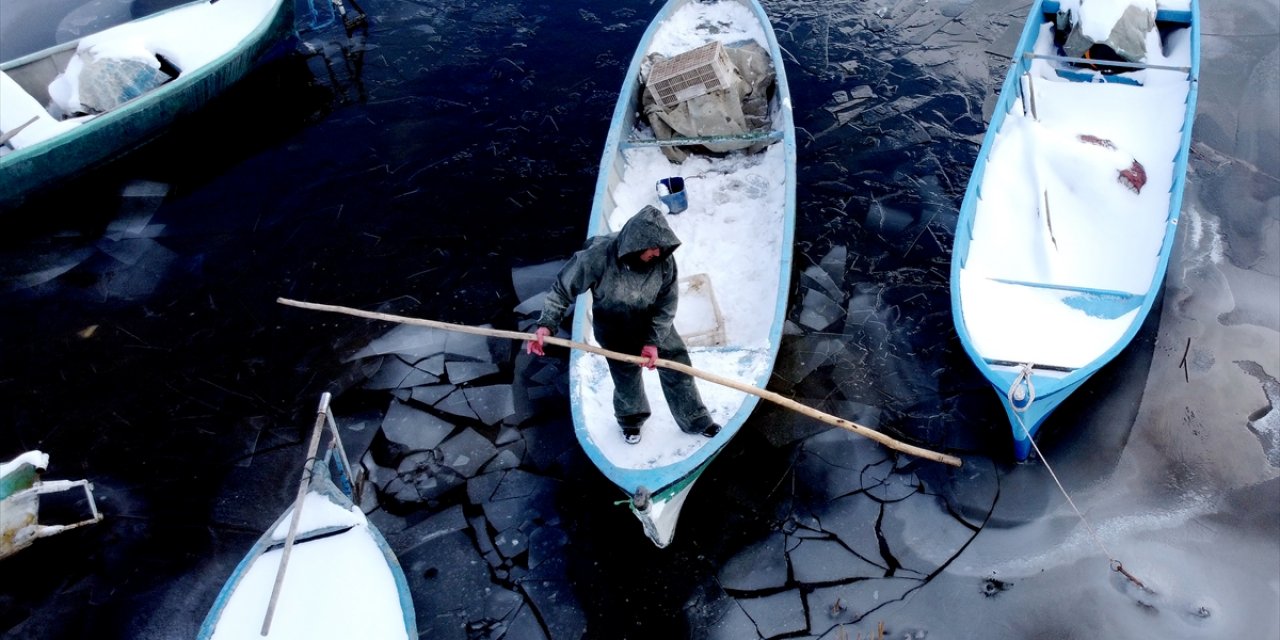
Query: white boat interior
{"type": "Point", "coordinates": [1062, 244]}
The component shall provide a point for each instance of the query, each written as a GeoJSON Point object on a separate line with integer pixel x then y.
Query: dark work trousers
{"type": "Point", "coordinates": [629, 402]}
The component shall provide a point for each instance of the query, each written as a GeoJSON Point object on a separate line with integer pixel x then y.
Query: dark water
{"type": "Point", "coordinates": [409, 168]}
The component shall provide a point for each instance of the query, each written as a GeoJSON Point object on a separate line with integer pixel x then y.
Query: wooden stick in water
{"type": "Point", "coordinates": [867, 432]}
{"type": "Point", "coordinates": [297, 510]}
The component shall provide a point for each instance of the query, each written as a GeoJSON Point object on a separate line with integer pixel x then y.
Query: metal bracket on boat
{"type": "Point", "coordinates": [641, 500]}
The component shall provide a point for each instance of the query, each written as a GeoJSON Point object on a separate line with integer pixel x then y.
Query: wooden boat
{"type": "Point", "coordinates": [20, 491]}
{"type": "Point", "coordinates": [81, 104]}
{"type": "Point", "coordinates": [322, 570]}
{"type": "Point", "coordinates": [1070, 214]}
{"type": "Point", "coordinates": [735, 260]}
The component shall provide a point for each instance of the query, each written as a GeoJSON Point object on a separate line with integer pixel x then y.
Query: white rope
{"type": "Point", "coordinates": [1115, 564]}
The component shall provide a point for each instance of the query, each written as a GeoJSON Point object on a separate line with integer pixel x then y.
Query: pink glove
{"type": "Point", "coordinates": [535, 346]}
{"type": "Point", "coordinates": [651, 353]}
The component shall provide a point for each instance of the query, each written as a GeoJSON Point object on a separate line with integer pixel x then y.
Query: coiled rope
{"type": "Point", "coordinates": [1025, 375]}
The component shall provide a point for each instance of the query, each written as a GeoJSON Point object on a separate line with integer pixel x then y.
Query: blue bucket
{"type": "Point", "coordinates": [671, 192]}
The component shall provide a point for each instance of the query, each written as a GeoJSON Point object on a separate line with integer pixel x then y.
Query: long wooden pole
{"type": "Point", "coordinates": [868, 432]}
{"type": "Point", "coordinates": [297, 510]}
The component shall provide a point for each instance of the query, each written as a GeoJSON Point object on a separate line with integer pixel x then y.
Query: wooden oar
{"type": "Point", "coordinates": [868, 432]}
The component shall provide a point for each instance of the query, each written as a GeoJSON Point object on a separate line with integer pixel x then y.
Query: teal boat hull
{"type": "Point", "coordinates": [114, 134]}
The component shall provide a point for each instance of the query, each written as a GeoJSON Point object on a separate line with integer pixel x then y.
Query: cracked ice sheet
{"type": "Point", "coordinates": [549, 587]}
{"type": "Point", "coordinates": [445, 577]}
{"type": "Point", "coordinates": [492, 403]}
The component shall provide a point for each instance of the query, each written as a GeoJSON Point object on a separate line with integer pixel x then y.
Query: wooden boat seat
{"type": "Point", "coordinates": [754, 136]}
{"type": "Point", "coordinates": [1096, 319]}
{"type": "Point", "coordinates": [1083, 69]}
{"type": "Point", "coordinates": [1066, 287]}
{"type": "Point", "coordinates": [314, 534]}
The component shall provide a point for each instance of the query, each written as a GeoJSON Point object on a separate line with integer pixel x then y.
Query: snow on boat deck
{"type": "Point", "coordinates": [1104, 237]}
{"type": "Point", "coordinates": [335, 587]}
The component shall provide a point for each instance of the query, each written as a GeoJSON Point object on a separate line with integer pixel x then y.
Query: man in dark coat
{"type": "Point", "coordinates": [632, 278]}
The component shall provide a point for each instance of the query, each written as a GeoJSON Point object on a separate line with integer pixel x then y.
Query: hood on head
{"type": "Point", "coordinates": [648, 228]}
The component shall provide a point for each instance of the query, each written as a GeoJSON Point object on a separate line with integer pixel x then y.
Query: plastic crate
{"type": "Point", "coordinates": [690, 74]}
{"type": "Point", "coordinates": [698, 318]}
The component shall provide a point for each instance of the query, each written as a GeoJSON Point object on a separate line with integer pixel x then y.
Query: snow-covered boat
{"type": "Point", "coordinates": [737, 230]}
{"type": "Point", "coordinates": [1070, 214]}
{"type": "Point", "coordinates": [322, 570]}
{"type": "Point", "coordinates": [81, 104]}
{"type": "Point", "coordinates": [20, 489]}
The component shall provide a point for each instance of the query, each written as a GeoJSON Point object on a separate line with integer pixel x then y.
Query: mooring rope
{"type": "Point", "coordinates": [1115, 564]}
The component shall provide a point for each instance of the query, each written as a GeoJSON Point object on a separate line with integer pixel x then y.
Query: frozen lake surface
{"type": "Point", "coordinates": [442, 164]}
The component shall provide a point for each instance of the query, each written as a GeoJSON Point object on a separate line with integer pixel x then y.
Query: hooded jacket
{"type": "Point", "coordinates": [625, 290]}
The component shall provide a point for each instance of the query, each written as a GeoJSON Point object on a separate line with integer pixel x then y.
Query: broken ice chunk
{"type": "Point", "coordinates": [413, 429]}
{"type": "Point", "coordinates": [778, 614]}
{"type": "Point", "coordinates": [817, 561]}
{"type": "Point", "coordinates": [807, 354]}
{"type": "Point", "coordinates": [492, 403]}
{"type": "Point", "coordinates": [533, 280]}
{"type": "Point", "coordinates": [816, 277]}
{"type": "Point", "coordinates": [415, 342]}
{"type": "Point", "coordinates": [431, 393]}
{"type": "Point", "coordinates": [460, 372]}
{"type": "Point", "coordinates": [506, 459]}
{"type": "Point", "coordinates": [847, 603]}
{"type": "Point", "coordinates": [468, 346]}
{"type": "Point", "coordinates": [819, 310]}
{"type": "Point", "coordinates": [396, 374]}
{"type": "Point", "coordinates": [520, 497]}
{"type": "Point", "coordinates": [456, 404]}
{"type": "Point", "coordinates": [854, 520]}
{"type": "Point", "coordinates": [439, 524]}
{"type": "Point", "coordinates": [445, 577]}
{"type": "Point", "coordinates": [886, 483]}
{"type": "Point", "coordinates": [834, 265]}
{"type": "Point", "coordinates": [467, 452]}
{"type": "Point", "coordinates": [532, 305]}
{"type": "Point", "coordinates": [511, 543]}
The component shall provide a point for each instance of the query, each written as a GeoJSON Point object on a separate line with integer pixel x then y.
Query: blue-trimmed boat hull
{"type": "Point", "coordinates": [1051, 388]}
{"type": "Point", "coordinates": [668, 485]}
{"type": "Point", "coordinates": [336, 486]}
